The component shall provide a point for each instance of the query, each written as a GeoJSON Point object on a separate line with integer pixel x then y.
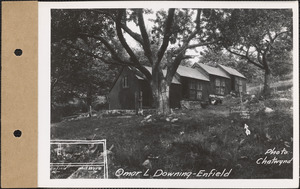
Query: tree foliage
{"type": "Point", "coordinates": [255, 35]}
{"type": "Point", "coordinates": [76, 75]}
{"type": "Point", "coordinates": [105, 34]}
{"type": "Point", "coordinates": [258, 36]}
{"type": "Point", "coordinates": [214, 57]}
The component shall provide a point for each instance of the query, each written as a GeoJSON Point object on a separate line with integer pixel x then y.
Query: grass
{"type": "Point", "coordinates": [201, 139]}
{"type": "Point", "coordinates": [278, 86]}
{"type": "Point", "coordinates": [207, 139]}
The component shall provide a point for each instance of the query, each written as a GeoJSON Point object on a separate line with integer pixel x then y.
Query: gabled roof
{"type": "Point", "coordinates": [174, 80]}
{"type": "Point", "coordinates": [116, 79]}
{"type": "Point", "coordinates": [183, 71]}
{"type": "Point", "coordinates": [232, 71]}
{"type": "Point", "coordinates": [191, 73]}
{"type": "Point", "coordinates": [213, 71]}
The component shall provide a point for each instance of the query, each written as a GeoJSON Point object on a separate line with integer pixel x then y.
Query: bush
{"type": "Point", "coordinates": [63, 110]}
{"type": "Point", "coordinates": [55, 115]}
{"type": "Point", "coordinates": [99, 107]}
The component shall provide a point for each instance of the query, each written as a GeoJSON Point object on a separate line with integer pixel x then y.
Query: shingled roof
{"type": "Point", "coordinates": [191, 73]}
{"type": "Point", "coordinates": [183, 71]}
{"type": "Point", "coordinates": [232, 71]}
{"type": "Point", "coordinates": [174, 80]}
{"type": "Point", "coordinates": [213, 70]}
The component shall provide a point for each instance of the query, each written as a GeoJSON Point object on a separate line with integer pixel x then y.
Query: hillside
{"type": "Point", "coordinates": [196, 139]}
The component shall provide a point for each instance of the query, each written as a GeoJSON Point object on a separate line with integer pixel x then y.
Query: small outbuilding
{"type": "Point", "coordinates": [237, 80]}
{"type": "Point", "coordinates": [220, 83]}
{"type": "Point", "coordinates": [195, 85]}
{"type": "Point", "coordinates": [190, 85]}
{"type": "Point", "coordinates": [131, 88]}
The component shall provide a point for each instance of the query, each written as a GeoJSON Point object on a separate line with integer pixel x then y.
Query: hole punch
{"type": "Point", "coordinates": [17, 133]}
{"type": "Point", "coordinates": [18, 52]}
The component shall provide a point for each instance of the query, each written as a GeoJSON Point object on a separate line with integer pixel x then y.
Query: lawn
{"type": "Point", "coordinates": [201, 139]}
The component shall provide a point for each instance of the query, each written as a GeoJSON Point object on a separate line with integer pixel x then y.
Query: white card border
{"type": "Point", "coordinates": [44, 101]}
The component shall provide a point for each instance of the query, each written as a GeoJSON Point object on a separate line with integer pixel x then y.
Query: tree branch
{"type": "Point", "coordinates": [181, 52]}
{"type": "Point", "coordinates": [136, 62]}
{"type": "Point", "coordinates": [172, 69]}
{"type": "Point", "coordinates": [197, 21]}
{"type": "Point", "coordinates": [146, 44]}
{"type": "Point", "coordinates": [167, 35]}
{"type": "Point", "coordinates": [200, 44]}
{"type": "Point", "coordinates": [106, 44]}
{"type": "Point", "coordinates": [278, 34]}
{"type": "Point", "coordinates": [134, 35]}
{"type": "Point", "coordinates": [123, 40]}
{"type": "Point", "coordinates": [122, 63]}
{"type": "Point", "coordinates": [258, 57]}
{"type": "Point", "coordinates": [246, 57]}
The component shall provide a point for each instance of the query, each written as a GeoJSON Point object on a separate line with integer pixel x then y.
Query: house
{"type": "Point", "coordinates": [195, 85]}
{"type": "Point", "coordinates": [220, 83]}
{"type": "Point", "coordinates": [200, 83]}
{"type": "Point", "coordinates": [130, 87]}
{"type": "Point", "coordinates": [238, 80]}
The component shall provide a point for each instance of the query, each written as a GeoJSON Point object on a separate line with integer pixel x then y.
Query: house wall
{"type": "Point", "coordinates": [186, 90]}
{"type": "Point", "coordinates": [233, 83]}
{"type": "Point", "coordinates": [147, 94]}
{"type": "Point", "coordinates": [244, 85]}
{"type": "Point", "coordinates": [212, 82]}
{"type": "Point", "coordinates": [175, 95]}
{"type": "Point", "coordinates": [124, 98]}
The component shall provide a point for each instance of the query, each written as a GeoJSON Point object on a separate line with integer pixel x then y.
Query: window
{"type": "Point", "coordinates": [199, 90]}
{"type": "Point", "coordinates": [195, 90]}
{"type": "Point", "coordinates": [239, 84]}
{"type": "Point", "coordinates": [220, 86]}
{"type": "Point", "coordinates": [125, 82]}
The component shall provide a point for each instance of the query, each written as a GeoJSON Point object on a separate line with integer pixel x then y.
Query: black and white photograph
{"type": "Point", "coordinates": [171, 93]}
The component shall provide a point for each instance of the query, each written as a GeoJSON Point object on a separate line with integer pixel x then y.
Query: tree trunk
{"type": "Point", "coordinates": [160, 91]}
{"type": "Point", "coordinates": [163, 100]}
{"type": "Point", "coordinates": [267, 88]}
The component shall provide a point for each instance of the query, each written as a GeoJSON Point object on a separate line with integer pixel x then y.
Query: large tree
{"type": "Point", "coordinates": [76, 75]}
{"type": "Point", "coordinates": [174, 31]}
{"type": "Point", "coordinates": [259, 36]}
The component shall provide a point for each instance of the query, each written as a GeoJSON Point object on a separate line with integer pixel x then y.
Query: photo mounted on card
{"type": "Point", "coordinates": [168, 94]}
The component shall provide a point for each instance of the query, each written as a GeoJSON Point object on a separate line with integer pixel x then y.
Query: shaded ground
{"type": "Point", "coordinates": [280, 85]}
{"type": "Point", "coordinates": [202, 139]}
